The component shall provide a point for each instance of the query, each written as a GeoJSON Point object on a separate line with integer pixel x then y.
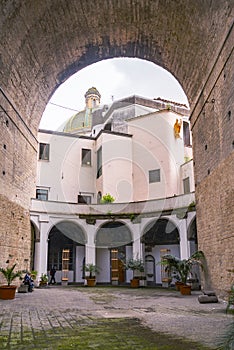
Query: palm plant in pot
{"type": "Point", "coordinates": [183, 268]}
{"type": "Point", "coordinates": [8, 291]}
{"type": "Point", "coordinates": [137, 266]}
{"type": "Point", "coordinates": [43, 280]}
{"type": "Point", "coordinates": [91, 269]}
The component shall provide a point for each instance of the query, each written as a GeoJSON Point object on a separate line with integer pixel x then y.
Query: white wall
{"type": "Point", "coordinates": [126, 162]}
{"type": "Point", "coordinates": [174, 250]}
{"type": "Point", "coordinates": [154, 147]}
{"type": "Point", "coordinates": [63, 174]}
{"type": "Point", "coordinates": [80, 254]}
{"type": "Point", "coordinates": [187, 171]}
{"type": "Point", "coordinates": [103, 262]}
{"type": "Point", "coordinates": [116, 167]}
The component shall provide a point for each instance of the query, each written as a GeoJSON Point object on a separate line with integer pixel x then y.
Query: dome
{"type": "Point", "coordinates": [92, 91]}
{"type": "Point", "coordinates": [81, 122]}
{"type": "Point", "coordinates": [75, 122]}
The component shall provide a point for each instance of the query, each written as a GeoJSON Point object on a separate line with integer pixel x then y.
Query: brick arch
{"type": "Point", "coordinates": [47, 42]}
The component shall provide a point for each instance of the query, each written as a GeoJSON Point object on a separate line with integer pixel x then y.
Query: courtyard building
{"type": "Point", "coordinates": [140, 152]}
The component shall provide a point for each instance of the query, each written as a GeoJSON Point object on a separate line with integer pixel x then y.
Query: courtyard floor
{"type": "Point", "coordinates": [71, 317]}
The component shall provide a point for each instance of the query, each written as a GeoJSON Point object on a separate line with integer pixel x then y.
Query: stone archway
{"type": "Point", "coordinates": [160, 237]}
{"type": "Point", "coordinates": [35, 237]}
{"type": "Point", "coordinates": [192, 236]}
{"type": "Point", "coordinates": [113, 242]}
{"type": "Point", "coordinates": [113, 234]}
{"type": "Point", "coordinates": [160, 232]}
{"type": "Point", "coordinates": [44, 43]}
{"type": "Point", "coordinates": [66, 235]}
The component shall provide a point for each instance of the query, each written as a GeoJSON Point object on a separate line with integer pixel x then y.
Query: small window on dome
{"type": "Point", "coordinates": [94, 102]}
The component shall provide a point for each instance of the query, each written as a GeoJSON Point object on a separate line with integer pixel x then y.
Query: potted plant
{"type": "Point", "coordinates": [8, 291]}
{"type": "Point", "coordinates": [34, 274]}
{"type": "Point", "coordinates": [91, 269]}
{"type": "Point", "coordinates": [183, 268]}
{"type": "Point", "coordinates": [135, 265]}
{"type": "Point", "coordinates": [107, 198]}
{"type": "Point", "coordinates": [43, 280]}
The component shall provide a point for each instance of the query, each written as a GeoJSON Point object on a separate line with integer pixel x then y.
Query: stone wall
{"type": "Point", "coordinates": [15, 235]}
{"type": "Point", "coordinates": [45, 42]}
{"type": "Point", "coordinates": [18, 149]}
{"type": "Point", "coordinates": [213, 141]}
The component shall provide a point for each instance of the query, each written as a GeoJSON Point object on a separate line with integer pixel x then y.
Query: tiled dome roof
{"type": "Point", "coordinates": [92, 91]}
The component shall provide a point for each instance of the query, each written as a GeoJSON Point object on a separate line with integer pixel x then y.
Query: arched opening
{"type": "Point", "coordinates": [113, 247]}
{"type": "Point", "coordinates": [119, 78]}
{"type": "Point", "coordinates": [193, 247]}
{"type": "Point", "coordinates": [33, 241]}
{"type": "Point", "coordinates": [160, 237]}
{"type": "Point", "coordinates": [73, 37]}
{"type": "Point", "coordinates": [66, 236]}
{"type": "Point", "coordinates": [192, 236]}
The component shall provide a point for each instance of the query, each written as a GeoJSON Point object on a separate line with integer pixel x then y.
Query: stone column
{"type": "Point", "coordinates": [90, 248]}
{"type": "Point", "coordinates": [184, 249]}
{"type": "Point", "coordinates": [137, 246]}
{"type": "Point", "coordinates": [41, 247]}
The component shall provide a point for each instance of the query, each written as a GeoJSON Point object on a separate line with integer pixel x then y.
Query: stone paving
{"type": "Point", "coordinates": [56, 307]}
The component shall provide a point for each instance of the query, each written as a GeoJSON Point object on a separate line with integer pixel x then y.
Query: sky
{"type": "Point", "coordinates": [115, 79]}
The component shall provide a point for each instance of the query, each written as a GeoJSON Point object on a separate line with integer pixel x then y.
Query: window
{"type": "Point", "coordinates": [99, 162]}
{"type": "Point", "coordinates": [107, 126]}
{"type": "Point", "coordinates": [42, 194]}
{"type": "Point", "coordinates": [94, 102]}
{"type": "Point", "coordinates": [186, 133]}
{"type": "Point", "coordinates": [154, 175]}
{"type": "Point", "coordinates": [186, 185]}
{"type": "Point", "coordinates": [84, 199]}
{"type": "Point", "coordinates": [99, 197]}
{"type": "Point", "coordinates": [86, 156]}
{"type": "Point", "coordinates": [44, 150]}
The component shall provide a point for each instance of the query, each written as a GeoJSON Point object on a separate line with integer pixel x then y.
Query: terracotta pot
{"type": "Point", "coordinates": [91, 282]}
{"type": "Point", "coordinates": [7, 292]}
{"type": "Point", "coordinates": [185, 289]}
{"type": "Point", "coordinates": [178, 285]}
{"type": "Point", "coordinates": [135, 283]}
{"type": "Point", "coordinates": [42, 284]}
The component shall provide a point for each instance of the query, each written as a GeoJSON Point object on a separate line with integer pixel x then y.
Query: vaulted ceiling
{"type": "Point", "coordinates": [42, 43]}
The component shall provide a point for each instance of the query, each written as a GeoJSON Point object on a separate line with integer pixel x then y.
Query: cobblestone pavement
{"type": "Point", "coordinates": [162, 310]}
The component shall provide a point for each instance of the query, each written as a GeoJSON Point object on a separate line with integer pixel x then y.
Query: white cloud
{"type": "Point", "coordinates": [119, 77]}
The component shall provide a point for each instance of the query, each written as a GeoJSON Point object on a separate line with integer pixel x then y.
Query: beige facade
{"type": "Point", "coordinates": [142, 165]}
{"type": "Point", "coordinates": [144, 170]}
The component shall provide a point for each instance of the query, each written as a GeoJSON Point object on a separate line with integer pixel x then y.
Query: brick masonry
{"type": "Point", "coordinates": [18, 149]}
{"type": "Point", "coordinates": [15, 235]}
{"type": "Point", "coordinates": [213, 141]}
{"type": "Point", "coordinates": [45, 42]}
